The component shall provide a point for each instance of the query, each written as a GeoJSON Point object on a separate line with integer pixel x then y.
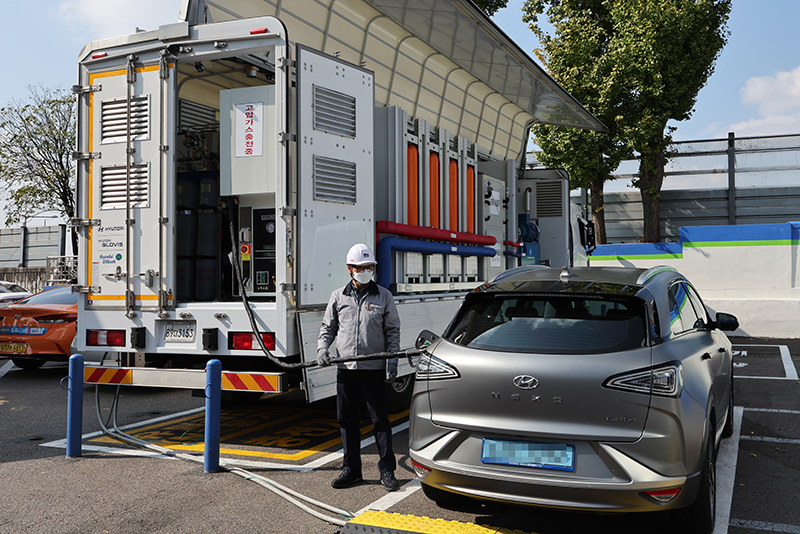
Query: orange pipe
{"type": "Point", "coordinates": [453, 195]}
{"type": "Point", "coordinates": [412, 161]}
{"type": "Point", "coordinates": [470, 199]}
{"type": "Point", "coordinates": [433, 172]}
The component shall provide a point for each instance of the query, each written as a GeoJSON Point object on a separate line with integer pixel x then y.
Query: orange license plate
{"type": "Point", "coordinates": [13, 347]}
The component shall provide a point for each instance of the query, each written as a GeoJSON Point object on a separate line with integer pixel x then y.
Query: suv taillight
{"type": "Point", "coordinates": [664, 381]}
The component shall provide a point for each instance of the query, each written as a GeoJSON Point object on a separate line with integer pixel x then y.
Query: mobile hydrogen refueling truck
{"type": "Point", "coordinates": [224, 170]}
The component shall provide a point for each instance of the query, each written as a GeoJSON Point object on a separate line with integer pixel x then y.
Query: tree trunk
{"type": "Point", "coordinates": [598, 211]}
{"type": "Point", "coordinates": [651, 177]}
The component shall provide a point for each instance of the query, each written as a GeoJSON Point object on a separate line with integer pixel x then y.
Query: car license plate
{"type": "Point", "coordinates": [181, 331]}
{"type": "Point", "coordinates": [543, 455]}
{"type": "Point", "coordinates": [13, 347]}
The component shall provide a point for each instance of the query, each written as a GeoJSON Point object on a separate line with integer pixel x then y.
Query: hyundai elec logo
{"type": "Point", "coordinates": [525, 382]}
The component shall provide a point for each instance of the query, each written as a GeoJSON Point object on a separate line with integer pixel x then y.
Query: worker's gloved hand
{"type": "Point", "coordinates": [323, 357]}
{"type": "Point", "coordinates": [391, 371]}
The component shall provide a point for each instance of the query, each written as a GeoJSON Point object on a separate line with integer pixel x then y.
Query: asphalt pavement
{"type": "Point", "coordinates": [115, 488]}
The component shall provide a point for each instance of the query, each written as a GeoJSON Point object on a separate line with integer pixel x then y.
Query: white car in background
{"type": "Point", "coordinates": [11, 292]}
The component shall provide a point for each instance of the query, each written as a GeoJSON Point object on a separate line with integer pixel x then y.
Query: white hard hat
{"type": "Point", "coordinates": [360, 254]}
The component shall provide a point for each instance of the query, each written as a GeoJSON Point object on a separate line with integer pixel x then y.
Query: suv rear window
{"type": "Point", "coordinates": [550, 324]}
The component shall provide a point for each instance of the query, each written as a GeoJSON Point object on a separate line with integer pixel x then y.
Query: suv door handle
{"type": "Point", "coordinates": [705, 356]}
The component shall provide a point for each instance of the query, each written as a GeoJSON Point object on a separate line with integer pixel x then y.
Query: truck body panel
{"type": "Point", "coordinates": [225, 164]}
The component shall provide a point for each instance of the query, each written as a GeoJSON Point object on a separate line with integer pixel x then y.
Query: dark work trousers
{"type": "Point", "coordinates": [352, 387]}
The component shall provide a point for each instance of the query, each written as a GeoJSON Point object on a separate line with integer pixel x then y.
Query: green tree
{"type": "Point", "coordinates": [657, 57]}
{"type": "Point", "coordinates": [37, 137]}
{"type": "Point", "coordinates": [575, 55]}
{"type": "Point", "coordinates": [490, 7]}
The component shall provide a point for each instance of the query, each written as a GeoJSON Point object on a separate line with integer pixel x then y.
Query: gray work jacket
{"type": "Point", "coordinates": [361, 326]}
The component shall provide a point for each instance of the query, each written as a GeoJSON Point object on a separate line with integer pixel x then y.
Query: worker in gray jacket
{"type": "Point", "coordinates": [363, 319]}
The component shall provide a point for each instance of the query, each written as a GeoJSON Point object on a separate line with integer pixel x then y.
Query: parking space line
{"type": "Point", "coordinates": [763, 525]}
{"type": "Point", "coordinates": [6, 368]}
{"type": "Point", "coordinates": [727, 457]}
{"type": "Point", "coordinates": [390, 499]}
{"type": "Point", "coordinates": [790, 371]}
{"type": "Point", "coordinates": [773, 410]}
{"type": "Point", "coordinates": [768, 439]}
{"type": "Point", "coordinates": [788, 364]}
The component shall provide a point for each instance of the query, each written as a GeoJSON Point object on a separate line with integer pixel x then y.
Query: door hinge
{"type": "Point", "coordinates": [83, 89]}
{"type": "Point", "coordinates": [86, 289]}
{"type": "Point", "coordinates": [84, 222]}
{"type": "Point", "coordinates": [288, 287]}
{"type": "Point", "coordinates": [85, 155]}
{"type": "Point", "coordinates": [285, 62]}
{"type": "Point", "coordinates": [284, 137]}
{"type": "Point", "coordinates": [288, 212]}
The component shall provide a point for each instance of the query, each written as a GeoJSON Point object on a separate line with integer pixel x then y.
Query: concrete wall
{"type": "Point", "coordinates": [750, 271]}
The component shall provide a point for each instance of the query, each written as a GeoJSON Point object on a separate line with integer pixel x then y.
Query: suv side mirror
{"type": "Point", "coordinates": [727, 322]}
{"type": "Point", "coordinates": [425, 338]}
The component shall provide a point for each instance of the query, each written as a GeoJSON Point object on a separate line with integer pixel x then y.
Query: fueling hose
{"type": "Point", "coordinates": [288, 494]}
{"type": "Point", "coordinates": [408, 353]}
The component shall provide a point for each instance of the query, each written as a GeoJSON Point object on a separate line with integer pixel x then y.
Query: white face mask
{"type": "Point", "coordinates": [363, 277]}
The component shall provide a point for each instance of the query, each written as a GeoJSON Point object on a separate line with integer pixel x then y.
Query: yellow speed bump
{"type": "Point", "coordinates": [374, 522]}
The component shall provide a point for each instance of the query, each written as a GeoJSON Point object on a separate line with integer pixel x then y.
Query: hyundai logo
{"type": "Point", "coordinates": [525, 382]}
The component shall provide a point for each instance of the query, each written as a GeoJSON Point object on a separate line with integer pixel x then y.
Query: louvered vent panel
{"type": "Point", "coordinates": [548, 199]}
{"type": "Point", "coordinates": [115, 119]}
{"type": "Point", "coordinates": [194, 115]}
{"type": "Point", "coordinates": [334, 180]}
{"type": "Point", "coordinates": [113, 186]}
{"type": "Point", "coordinates": [334, 112]}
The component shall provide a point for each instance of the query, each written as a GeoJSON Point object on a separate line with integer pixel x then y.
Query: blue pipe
{"type": "Point", "coordinates": [213, 415]}
{"type": "Point", "coordinates": [389, 244]}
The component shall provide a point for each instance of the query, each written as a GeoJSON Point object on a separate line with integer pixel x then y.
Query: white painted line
{"type": "Point", "coordinates": [726, 472]}
{"type": "Point", "coordinates": [768, 439]}
{"type": "Point", "coordinates": [762, 525]}
{"type": "Point", "coordinates": [772, 410]}
{"type": "Point", "coordinates": [765, 377]}
{"type": "Point", "coordinates": [6, 368]}
{"type": "Point", "coordinates": [788, 364]}
{"type": "Point", "coordinates": [390, 499]}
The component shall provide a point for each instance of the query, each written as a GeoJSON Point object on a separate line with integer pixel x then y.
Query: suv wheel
{"type": "Point", "coordinates": [398, 393]}
{"type": "Point", "coordinates": [700, 516]}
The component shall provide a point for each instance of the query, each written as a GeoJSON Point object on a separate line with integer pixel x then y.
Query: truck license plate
{"type": "Point", "coordinates": [13, 347]}
{"type": "Point", "coordinates": [182, 331]}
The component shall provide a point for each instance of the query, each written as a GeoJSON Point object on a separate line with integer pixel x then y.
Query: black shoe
{"type": "Point", "coordinates": [346, 479]}
{"type": "Point", "coordinates": [389, 482]}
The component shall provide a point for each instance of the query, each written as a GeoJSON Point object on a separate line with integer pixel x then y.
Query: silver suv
{"type": "Point", "coordinates": [596, 389]}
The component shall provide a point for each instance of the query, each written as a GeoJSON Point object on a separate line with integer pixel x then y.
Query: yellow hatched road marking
{"type": "Point", "coordinates": [421, 525]}
{"type": "Point", "coordinates": [199, 447]}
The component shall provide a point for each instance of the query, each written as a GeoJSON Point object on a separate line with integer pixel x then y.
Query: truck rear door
{"type": "Point", "coordinates": [335, 107]}
{"type": "Point", "coordinates": [130, 129]}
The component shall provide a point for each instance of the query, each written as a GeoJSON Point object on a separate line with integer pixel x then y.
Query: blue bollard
{"type": "Point", "coordinates": [75, 406]}
{"type": "Point", "coordinates": [213, 415]}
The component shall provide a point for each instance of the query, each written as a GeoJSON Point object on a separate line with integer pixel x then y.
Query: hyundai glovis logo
{"type": "Point", "coordinates": [525, 382]}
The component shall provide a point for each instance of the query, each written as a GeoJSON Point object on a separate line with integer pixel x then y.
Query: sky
{"type": "Point", "coordinates": [755, 89]}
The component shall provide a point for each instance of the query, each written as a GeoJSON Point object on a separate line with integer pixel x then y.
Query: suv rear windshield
{"type": "Point", "coordinates": [550, 324]}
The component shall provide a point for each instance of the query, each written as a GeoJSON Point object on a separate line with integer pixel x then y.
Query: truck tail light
{"type": "Point", "coordinates": [247, 341]}
{"type": "Point", "coordinates": [258, 31]}
{"type": "Point", "coordinates": [105, 338]}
